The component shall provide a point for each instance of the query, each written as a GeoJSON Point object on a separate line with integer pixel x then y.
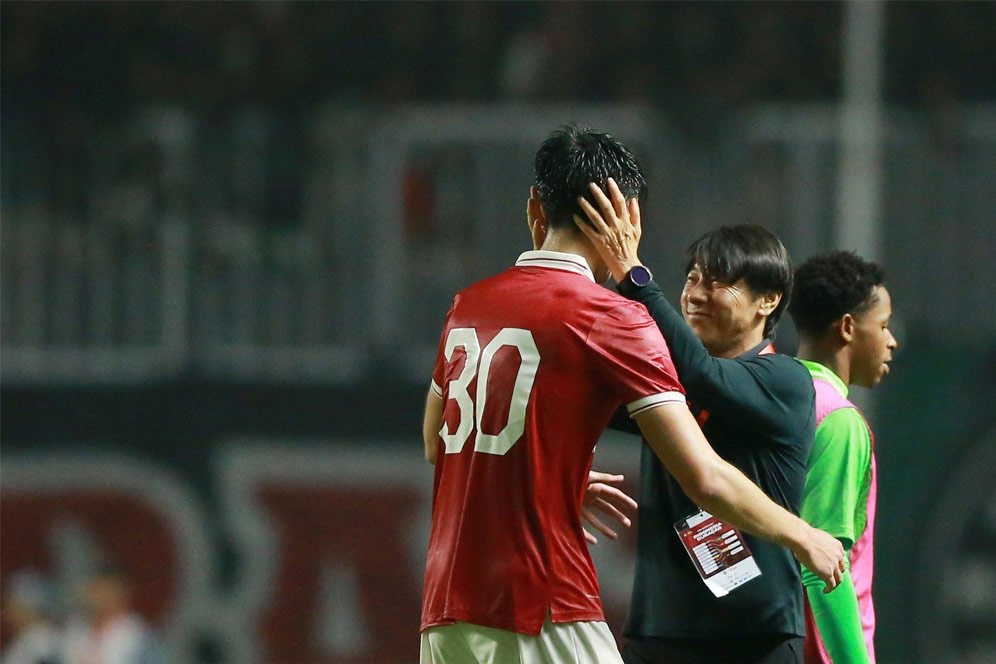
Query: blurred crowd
{"type": "Point", "coordinates": [109, 56]}
{"type": "Point", "coordinates": [240, 118]}
{"type": "Point", "coordinates": [100, 627]}
{"type": "Point", "coordinates": [71, 69]}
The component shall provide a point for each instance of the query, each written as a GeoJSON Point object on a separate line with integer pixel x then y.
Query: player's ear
{"type": "Point", "coordinates": [536, 219]}
{"type": "Point", "coordinates": [845, 328]}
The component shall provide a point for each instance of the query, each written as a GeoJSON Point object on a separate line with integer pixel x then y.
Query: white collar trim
{"type": "Point", "coordinates": [556, 260]}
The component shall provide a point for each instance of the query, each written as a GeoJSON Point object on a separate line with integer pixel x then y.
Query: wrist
{"type": "Point", "coordinates": [622, 270]}
{"type": "Point", "coordinates": [796, 536]}
{"type": "Point", "coordinates": [634, 280]}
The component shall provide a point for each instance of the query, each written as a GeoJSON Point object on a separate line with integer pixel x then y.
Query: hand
{"type": "Point", "coordinates": [607, 499]}
{"type": "Point", "coordinates": [823, 555]}
{"type": "Point", "coordinates": [615, 228]}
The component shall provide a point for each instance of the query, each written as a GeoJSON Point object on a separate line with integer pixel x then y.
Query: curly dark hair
{"type": "Point", "coordinates": [571, 158]}
{"type": "Point", "coordinates": [829, 285]}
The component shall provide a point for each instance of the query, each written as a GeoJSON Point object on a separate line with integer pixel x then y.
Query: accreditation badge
{"type": "Point", "coordinates": [718, 551]}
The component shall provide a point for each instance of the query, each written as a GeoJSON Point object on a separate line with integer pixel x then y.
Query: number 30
{"type": "Point", "coordinates": [501, 442]}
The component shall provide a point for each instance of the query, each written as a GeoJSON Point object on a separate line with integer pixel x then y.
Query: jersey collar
{"type": "Point", "coordinates": [826, 373]}
{"type": "Point", "coordinates": [556, 260]}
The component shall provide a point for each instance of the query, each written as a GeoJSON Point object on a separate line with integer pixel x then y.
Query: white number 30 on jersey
{"type": "Point", "coordinates": [479, 363]}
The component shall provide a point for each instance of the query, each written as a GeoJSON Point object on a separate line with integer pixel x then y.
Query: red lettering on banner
{"type": "Point", "coordinates": [361, 530]}
{"type": "Point", "coordinates": [128, 532]}
{"type": "Point", "coordinates": [330, 545]}
{"type": "Point", "coordinates": [63, 515]}
{"type": "Point", "coordinates": [333, 543]}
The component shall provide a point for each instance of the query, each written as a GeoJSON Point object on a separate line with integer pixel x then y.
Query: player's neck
{"type": "Point", "coordinates": [571, 242]}
{"type": "Point", "coordinates": [836, 358]}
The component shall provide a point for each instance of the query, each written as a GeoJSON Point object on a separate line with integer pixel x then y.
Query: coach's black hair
{"type": "Point", "coordinates": [829, 285]}
{"type": "Point", "coordinates": [748, 252]}
{"type": "Point", "coordinates": [571, 158]}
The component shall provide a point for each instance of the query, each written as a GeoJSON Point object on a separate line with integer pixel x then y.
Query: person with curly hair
{"type": "Point", "coordinates": [842, 309]}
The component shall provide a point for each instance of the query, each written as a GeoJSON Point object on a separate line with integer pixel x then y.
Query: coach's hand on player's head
{"type": "Point", "coordinates": [611, 501]}
{"type": "Point", "coordinates": [823, 555]}
{"type": "Point", "coordinates": [615, 228]}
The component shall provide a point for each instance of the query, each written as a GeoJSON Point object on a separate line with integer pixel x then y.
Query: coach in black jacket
{"type": "Point", "coordinates": [756, 408]}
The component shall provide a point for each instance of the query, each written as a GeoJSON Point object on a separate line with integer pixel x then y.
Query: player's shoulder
{"type": "Point", "coordinates": [613, 302]}
{"type": "Point", "coordinates": [613, 310]}
{"type": "Point", "coordinates": [844, 427]}
{"type": "Point", "coordinates": [844, 413]}
{"type": "Point", "coordinates": [837, 407]}
{"type": "Point", "coordinates": [616, 318]}
{"type": "Point", "coordinates": [481, 286]}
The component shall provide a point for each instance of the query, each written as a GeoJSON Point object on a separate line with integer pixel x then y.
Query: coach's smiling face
{"type": "Point", "coordinates": [725, 317]}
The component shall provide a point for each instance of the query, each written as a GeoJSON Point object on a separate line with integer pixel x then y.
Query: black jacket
{"type": "Point", "coordinates": [758, 413]}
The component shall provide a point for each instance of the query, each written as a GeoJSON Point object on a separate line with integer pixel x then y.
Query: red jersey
{"type": "Point", "coordinates": [532, 364]}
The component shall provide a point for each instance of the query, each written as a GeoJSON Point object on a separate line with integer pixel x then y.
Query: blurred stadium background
{"type": "Point", "coordinates": [230, 232]}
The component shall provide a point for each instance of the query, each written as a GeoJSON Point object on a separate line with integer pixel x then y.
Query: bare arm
{"type": "Point", "coordinates": [724, 491]}
{"type": "Point", "coordinates": [431, 422]}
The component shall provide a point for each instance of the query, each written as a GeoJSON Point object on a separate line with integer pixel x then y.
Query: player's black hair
{"type": "Point", "coordinates": [829, 285]}
{"type": "Point", "coordinates": [748, 252]}
{"type": "Point", "coordinates": [571, 158]}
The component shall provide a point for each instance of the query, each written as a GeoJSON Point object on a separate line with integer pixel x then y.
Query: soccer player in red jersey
{"type": "Point", "coordinates": [532, 364]}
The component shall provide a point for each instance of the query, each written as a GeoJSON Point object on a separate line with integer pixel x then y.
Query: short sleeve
{"type": "Point", "coordinates": [436, 384]}
{"type": "Point", "coordinates": [838, 467]}
{"type": "Point", "coordinates": [634, 359]}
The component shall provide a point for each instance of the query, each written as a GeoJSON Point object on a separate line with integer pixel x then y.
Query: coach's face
{"type": "Point", "coordinates": [725, 317]}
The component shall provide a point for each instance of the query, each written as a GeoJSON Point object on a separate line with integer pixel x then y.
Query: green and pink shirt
{"type": "Point", "coordinates": [839, 497]}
